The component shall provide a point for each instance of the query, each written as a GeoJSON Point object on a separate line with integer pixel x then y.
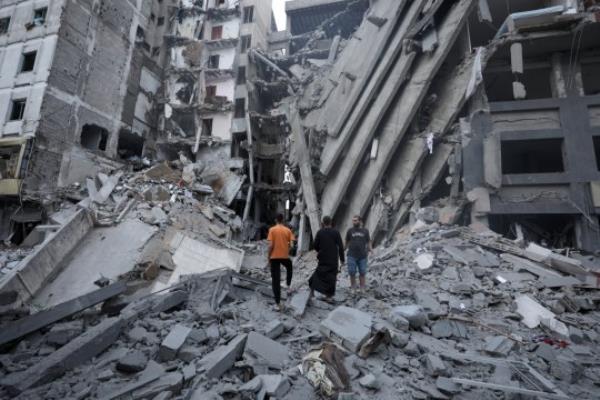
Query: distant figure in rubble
{"type": "Point", "coordinates": [358, 245]}
{"type": "Point", "coordinates": [280, 240]}
{"type": "Point", "coordinates": [329, 246]}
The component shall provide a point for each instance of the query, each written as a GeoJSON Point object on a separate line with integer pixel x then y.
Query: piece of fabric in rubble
{"type": "Point", "coordinates": [325, 370]}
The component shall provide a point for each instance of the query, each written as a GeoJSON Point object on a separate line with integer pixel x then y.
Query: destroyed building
{"type": "Point", "coordinates": [148, 144]}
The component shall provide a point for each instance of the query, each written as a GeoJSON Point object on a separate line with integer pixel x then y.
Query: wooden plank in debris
{"type": "Point", "coordinates": [336, 144]}
{"type": "Point", "coordinates": [406, 106]}
{"type": "Point", "coordinates": [308, 185]}
{"type": "Point", "coordinates": [32, 323]}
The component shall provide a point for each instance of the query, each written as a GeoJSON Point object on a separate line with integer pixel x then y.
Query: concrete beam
{"type": "Point", "coordinates": [406, 106]}
{"type": "Point", "coordinates": [32, 323]}
{"type": "Point", "coordinates": [304, 163]}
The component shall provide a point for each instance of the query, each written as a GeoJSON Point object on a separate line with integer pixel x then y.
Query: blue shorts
{"type": "Point", "coordinates": [357, 265]}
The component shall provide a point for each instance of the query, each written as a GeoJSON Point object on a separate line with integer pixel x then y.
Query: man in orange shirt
{"type": "Point", "coordinates": [280, 239]}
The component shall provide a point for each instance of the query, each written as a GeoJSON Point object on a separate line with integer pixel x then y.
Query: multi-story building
{"type": "Point", "coordinates": [78, 86]}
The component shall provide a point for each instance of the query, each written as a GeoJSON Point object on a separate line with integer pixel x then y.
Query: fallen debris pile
{"type": "Point", "coordinates": [474, 320]}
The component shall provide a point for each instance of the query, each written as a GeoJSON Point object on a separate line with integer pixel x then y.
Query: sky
{"type": "Point", "coordinates": [279, 11]}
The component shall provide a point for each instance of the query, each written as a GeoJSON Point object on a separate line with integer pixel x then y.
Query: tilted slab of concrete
{"type": "Point", "coordinates": [347, 127]}
{"type": "Point", "coordinates": [405, 108]}
{"type": "Point", "coordinates": [104, 252]}
{"type": "Point", "coordinates": [36, 269]}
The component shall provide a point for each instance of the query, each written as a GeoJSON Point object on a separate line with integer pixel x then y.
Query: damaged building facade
{"type": "Point", "coordinates": [147, 145]}
{"type": "Point", "coordinates": [441, 105]}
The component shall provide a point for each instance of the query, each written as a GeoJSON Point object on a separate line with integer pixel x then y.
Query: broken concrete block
{"type": "Point", "coordinates": [448, 329]}
{"type": "Point", "coordinates": [299, 302]}
{"type": "Point", "coordinates": [106, 375]}
{"type": "Point", "coordinates": [252, 386]}
{"type": "Point", "coordinates": [82, 348]}
{"type": "Point", "coordinates": [173, 342]}
{"type": "Point", "coordinates": [348, 326]}
{"type": "Point", "coordinates": [424, 261]}
{"type": "Point", "coordinates": [189, 353]}
{"type": "Point", "coordinates": [369, 381]}
{"type": "Point", "coordinates": [217, 362]}
{"type": "Point", "coordinates": [275, 386]}
{"type": "Point", "coordinates": [152, 372]}
{"type": "Point", "coordinates": [399, 321]}
{"type": "Point", "coordinates": [498, 346]}
{"type": "Point", "coordinates": [171, 382]}
{"type": "Point", "coordinates": [434, 365]}
{"type": "Point", "coordinates": [134, 361]}
{"type": "Point", "coordinates": [445, 385]}
{"type": "Point", "coordinates": [413, 313]}
{"type": "Point", "coordinates": [537, 253]}
{"type": "Point", "coordinates": [269, 351]}
{"type": "Point", "coordinates": [274, 329]}
{"type": "Point", "coordinates": [533, 314]}
{"type": "Point", "coordinates": [63, 333]}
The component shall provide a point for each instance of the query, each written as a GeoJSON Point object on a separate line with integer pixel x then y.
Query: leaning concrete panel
{"type": "Point", "coordinates": [335, 145]}
{"type": "Point", "coordinates": [35, 270]}
{"type": "Point", "coordinates": [405, 108]}
{"type": "Point", "coordinates": [452, 95]}
{"type": "Point", "coordinates": [371, 48]}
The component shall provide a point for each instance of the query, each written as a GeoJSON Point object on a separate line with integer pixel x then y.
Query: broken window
{"type": "Point", "coordinates": [211, 91]}
{"type": "Point", "coordinates": [207, 126]}
{"type": "Point", "coordinates": [9, 161]}
{"type": "Point", "coordinates": [28, 61]}
{"type": "Point", "coordinates": [17, 109]}
{"type": "Point", "coordinates": [213, 61]}
{"type": "Point", "coordinates": [241, 76]}
{"type": "Point", "coordinates": [140, 35]}
{"type": "Point", "coordinates": [240, 108]}
{"type": "Point", "coordinates": [248, 14]}
{"type": "Point", "coordinates": [216, 32]}
{"type": "Point", "coordinates": [590, 74]}
{"type": "Point", "coordinates": [246, 43]}
{"type": "Point", "coordinates": [597, 151]}
{"type": "Point", "coordinates": [536, 82]}
{"type": "Point", "coordinates": [4, 25]}
{"type": "Point", "coordinates": [532, 156]}
{"type": "Point", "coordinates": [131, 145]}
{"type": "Point", "coordinates": [39, 16]}
{"type": "Point", "coordinates": [94, 137]}
{"type": "Point", "coordinates": [160, 21]}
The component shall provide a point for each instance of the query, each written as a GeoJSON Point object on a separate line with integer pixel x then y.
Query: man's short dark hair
{"type": "Point", "coordinates": [358, 217]}
{"type": "Point", "coordinates": [327, 220]}
{"type": "Point", "coordinates": [279, 218]}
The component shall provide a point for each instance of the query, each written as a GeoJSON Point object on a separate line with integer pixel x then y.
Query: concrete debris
{"type": "Point", "coordinates": [349, 326]}
{"type": "Point", "coordinates": [134, 212]}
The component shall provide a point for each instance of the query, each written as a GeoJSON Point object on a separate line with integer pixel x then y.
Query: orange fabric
{"type": "Point", "coordinates": [281, 237]}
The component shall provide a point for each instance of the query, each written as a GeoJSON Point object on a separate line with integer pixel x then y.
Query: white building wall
{"type": "Point", "coordinates": [221, 128]}
{"type": "Point", "coordinates": [23, 37]}
{"type": "Point", "coordinates": [226, 57]}
{"type": "Point", "coordinates": [231, 29]}
{"type": "Point", "coordinates": [226, 89]}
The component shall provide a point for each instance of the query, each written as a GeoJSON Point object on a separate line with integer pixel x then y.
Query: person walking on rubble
{"type": "Point", "coordinates": [280, 240]}
{"type": "Point", "coordinates": [329, 246]}
{"type": "Point", "coordinates": [359, 246]}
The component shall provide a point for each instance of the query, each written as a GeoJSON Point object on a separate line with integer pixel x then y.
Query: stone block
{"type": "Point", "coordinates": [269, 351]}
{"type": "Point", "coordinates": [134, 361]}
{"type": "Point", "coordinates": [434, 365]}
{"type": "Point", "coordinates": [348, 326]}
{"type": "Point", "coordinates": [369, 381]}
{"type": "Point", "coordinates": [173, 342]}
{"type": "Point", "coordinates": [217, 362]}
{"type": "Point", "coordinates": [413, 313]}
{"type": "Point", "coordinates": [299, 302]}
{"type": "Point", "coordinates": [274, 329]}
{"type": "Point", "coordinates": [62, 333]}
{"type": "Point", "coordinates": [498, 346]}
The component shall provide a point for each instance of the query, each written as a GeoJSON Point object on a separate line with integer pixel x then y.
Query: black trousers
{"type": "Point", "coordinates": [276, 264]}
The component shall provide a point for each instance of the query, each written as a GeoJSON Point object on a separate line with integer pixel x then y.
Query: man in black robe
{"type": "Point", "coordinates": [329, 246]}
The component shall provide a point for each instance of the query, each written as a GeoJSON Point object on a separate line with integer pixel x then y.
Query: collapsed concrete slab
{"type": "Point", "coordinates": [347, 326]}
{"type": "Point", "coordinates": [217, 362]}
{"type": "Point", "coordinates": [270, 352]}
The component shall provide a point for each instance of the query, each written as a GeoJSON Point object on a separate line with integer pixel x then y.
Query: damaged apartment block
{"type": "Point", "coordinates": [147, 146]}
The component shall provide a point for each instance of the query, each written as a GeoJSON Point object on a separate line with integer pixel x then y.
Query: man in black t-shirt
{"type": "Point", "coordinates": [358, 245]}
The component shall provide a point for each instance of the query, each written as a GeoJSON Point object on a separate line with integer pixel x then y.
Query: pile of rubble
{"type": "Point", "coordinates": [448, 313]}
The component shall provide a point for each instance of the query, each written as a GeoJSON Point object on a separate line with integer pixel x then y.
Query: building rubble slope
{"type": "Point", "coordinates": [374, 111]}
